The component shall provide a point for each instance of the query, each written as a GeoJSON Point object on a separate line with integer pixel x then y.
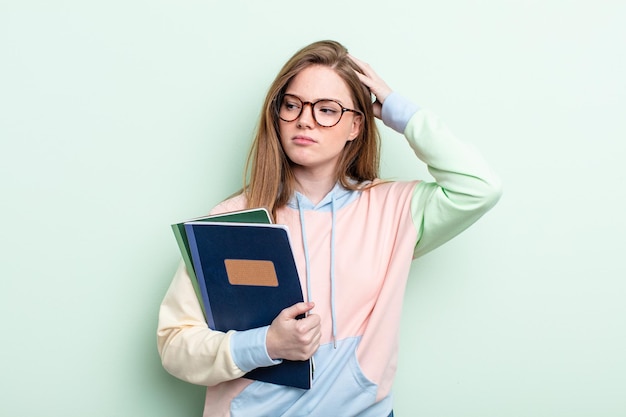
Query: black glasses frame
{"type": "Point", "coordinates": [304, 103]}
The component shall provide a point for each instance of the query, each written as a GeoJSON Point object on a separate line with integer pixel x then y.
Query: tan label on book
{"type": "Point", "coordinates": [251, 272]}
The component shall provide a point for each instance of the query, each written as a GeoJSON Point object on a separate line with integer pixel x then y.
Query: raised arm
{"type": "Point", "coordinates": [465, 188]}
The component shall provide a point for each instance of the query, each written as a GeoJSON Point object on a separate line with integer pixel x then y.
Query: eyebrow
{"type": "Point", "coordinates": [316, 99]}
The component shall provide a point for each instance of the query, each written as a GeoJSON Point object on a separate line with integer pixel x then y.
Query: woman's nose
{"type": "Point", "coordinates": [306, 116]}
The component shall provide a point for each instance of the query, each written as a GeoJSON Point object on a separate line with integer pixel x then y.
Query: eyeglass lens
{"type": "Point", "coordinates": [325, 112]}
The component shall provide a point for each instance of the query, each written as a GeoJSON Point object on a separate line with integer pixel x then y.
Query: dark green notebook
{"type": "Point", "coordinates": [256, 215]}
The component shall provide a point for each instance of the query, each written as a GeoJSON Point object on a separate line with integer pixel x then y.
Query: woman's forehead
{"type": "Point", "coordinates": [317, 82]}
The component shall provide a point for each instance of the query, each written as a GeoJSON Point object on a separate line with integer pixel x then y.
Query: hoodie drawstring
{"type": "Point", "coordinates": [306, 250]}
{"type": "Point", "coordinates": [332, 264]}
{"type": "Point", "coordinates": [332, 274]}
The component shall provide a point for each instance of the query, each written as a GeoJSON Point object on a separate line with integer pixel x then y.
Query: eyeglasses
{"type": "Point", "coordinates": [326, 112]}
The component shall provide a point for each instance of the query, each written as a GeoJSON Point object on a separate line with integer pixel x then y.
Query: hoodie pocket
{"type": "Point", "coordinates": [339, 389]}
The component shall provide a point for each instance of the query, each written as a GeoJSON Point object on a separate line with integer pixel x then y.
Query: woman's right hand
{"type": "Point", "coordinates": [374, 82]}
{"type": "Point", "coordinates": [291, 338]}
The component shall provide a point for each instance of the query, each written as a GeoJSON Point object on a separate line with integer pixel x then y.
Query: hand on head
{"type": "Point", "coordinates": [291, 338]}
{"type": "Point", "coordinates": [374, 82]}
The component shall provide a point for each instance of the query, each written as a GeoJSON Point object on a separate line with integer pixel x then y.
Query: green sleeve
{"type": "Point", "coordinates": [465, 188]}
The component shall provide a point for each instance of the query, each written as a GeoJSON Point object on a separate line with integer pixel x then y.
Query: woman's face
{"type": "Point", "coordinates": [311, 147]}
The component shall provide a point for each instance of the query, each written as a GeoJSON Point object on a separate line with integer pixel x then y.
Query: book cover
{"type": "Point", "coordinates": [255, 215]}
{"type": "Point", "coordinates": [247, 275]}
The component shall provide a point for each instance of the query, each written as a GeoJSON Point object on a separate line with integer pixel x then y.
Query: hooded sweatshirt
{"type": "Point", "coordinates": [353, 251]}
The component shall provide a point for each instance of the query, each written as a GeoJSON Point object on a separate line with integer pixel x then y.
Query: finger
{"type": "Point", "coordinates": [311, 337]}
{"type": "Point", "coordinates": [365, 67]}
{"type": "Point", "coordinates": [309, 324]}
{"type": "Point", "coordinates": [372, 80]}
{"type": "Point", "coordinates": [297, 309]}
{"type": "Point", "coordinates": [377, 108]}
{"type": "Point", "coordinates": [369, 83]}
{"type": "Point", "coordinates": [367, 75]}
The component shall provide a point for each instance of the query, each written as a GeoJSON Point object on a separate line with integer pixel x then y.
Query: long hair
{"type": "Point", "coordinates": [271, 181]}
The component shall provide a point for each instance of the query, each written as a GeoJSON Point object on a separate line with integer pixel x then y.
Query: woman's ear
{"type": "Point", "coordinates": [357, 124]}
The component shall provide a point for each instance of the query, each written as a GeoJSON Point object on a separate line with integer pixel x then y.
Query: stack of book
{"type": "Point", "coordinates": [243, 271]}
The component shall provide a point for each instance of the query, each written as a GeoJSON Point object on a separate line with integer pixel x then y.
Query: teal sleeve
{"type": "Point", "coordinates": [397, 111]}
{"type": "Point", "coordinates": [249, 351]}
{"type": "Point", "coordinates": [465, 188]}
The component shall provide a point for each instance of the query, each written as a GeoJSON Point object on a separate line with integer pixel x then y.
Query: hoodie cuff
{"type": "Point", "coordinates": [249, 351]}
{"type": "Point", "coordinates": [397, 111]}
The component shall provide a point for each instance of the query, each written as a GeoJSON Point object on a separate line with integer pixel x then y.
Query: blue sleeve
{"type": "Point", "coordinates": [249, 351]}
{"type": "Point", "coordinates": [397, 111]}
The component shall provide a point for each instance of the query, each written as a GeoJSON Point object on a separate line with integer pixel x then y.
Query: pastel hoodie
{"type": "Point", "coordinates": [353, 251]}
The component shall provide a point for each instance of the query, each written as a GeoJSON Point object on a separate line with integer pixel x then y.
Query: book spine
{"type": "Point", "coordinates": [195, 256]}
{"type": "Point", "coordinates": [181, 240]}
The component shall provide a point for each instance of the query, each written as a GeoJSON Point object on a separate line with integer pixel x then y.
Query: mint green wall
{"type": "Point", "coordinates": [118, 118]}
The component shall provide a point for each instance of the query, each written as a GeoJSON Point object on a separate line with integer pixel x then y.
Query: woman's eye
{"type": "Point", "coordinates": [291, 106]}
{"type": "Point", "coordinates": [328, 110]}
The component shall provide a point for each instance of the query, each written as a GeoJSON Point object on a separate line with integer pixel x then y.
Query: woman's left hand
{"type": "Point", "coordinates": [377, 85]}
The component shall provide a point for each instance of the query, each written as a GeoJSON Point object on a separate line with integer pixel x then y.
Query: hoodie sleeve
{"type": "Point", "coordinates": [189, 350]}
{"type": "Point", "coordinates": [465, 188]}
{"type": "Point", "coordinates": [193, 352]}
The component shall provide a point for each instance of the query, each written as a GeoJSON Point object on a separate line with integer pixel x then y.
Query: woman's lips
{"type": "Point", "coordinates": [303, 140]}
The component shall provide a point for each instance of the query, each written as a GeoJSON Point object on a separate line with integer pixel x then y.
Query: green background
{"type": "Point", "coordinates": [118, 118]}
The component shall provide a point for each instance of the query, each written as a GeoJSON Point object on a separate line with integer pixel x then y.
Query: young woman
{"type": "Point", "coordinates": [314, 164]}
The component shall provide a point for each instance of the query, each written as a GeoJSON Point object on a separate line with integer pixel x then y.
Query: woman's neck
{"type": "Point", "coordinates": [314, 186]}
